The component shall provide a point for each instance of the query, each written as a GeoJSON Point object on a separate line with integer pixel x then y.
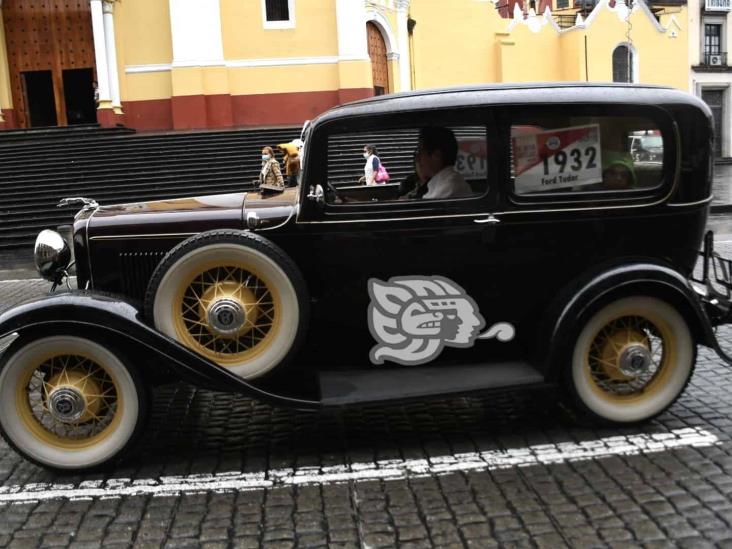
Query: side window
{"type": "Point", "coordinates": [588, 154]}
{"type": "Point", "coordinates": [408, 164]}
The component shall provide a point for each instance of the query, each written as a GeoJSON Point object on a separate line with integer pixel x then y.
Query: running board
{"type": "Point", "coordinates": [343, 387]}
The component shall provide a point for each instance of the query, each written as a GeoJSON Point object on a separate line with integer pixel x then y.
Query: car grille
{"type": "Point", "coordinates": [136, 269]}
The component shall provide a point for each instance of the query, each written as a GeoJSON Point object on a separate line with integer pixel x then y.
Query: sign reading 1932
{"type": "Point", "coordinates": [717, 5]}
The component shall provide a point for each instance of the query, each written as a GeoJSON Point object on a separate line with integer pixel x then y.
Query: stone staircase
{"type": "Point", "coordinates": [40, 167]}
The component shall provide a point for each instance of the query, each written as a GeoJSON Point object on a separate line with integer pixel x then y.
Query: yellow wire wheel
{"type": "Point", "coordinates": [67, 402]}
{"type": "Point", "coordinates": [228, 300]}
{"type": "Point", "coordinates": [632, 359]}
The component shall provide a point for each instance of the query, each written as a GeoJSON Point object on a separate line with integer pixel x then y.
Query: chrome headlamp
{"type": "Point", "coordinates": [52, 255]}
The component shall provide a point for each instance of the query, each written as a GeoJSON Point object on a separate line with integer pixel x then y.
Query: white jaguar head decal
{"type": "Point", "coordinates": [413, 318]}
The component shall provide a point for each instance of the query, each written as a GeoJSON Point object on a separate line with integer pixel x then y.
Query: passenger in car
{"type": "Point", "coordinates": [414, 185]}
{"type": "Point", "coordinates": [436, 156]}
{"type": "Point", "coordinates": [618, 170]}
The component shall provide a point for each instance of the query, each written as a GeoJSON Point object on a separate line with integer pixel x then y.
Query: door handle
{"type": "Point", "coordinates": [491, 220]}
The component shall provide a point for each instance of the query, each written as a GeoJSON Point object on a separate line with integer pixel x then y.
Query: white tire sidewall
{"type": "Point", "coordinates": [656, 311]}
{"type": "Point", "coordinates": [16, 369]}
{"type": "Point", "coordinates": [185, 268]}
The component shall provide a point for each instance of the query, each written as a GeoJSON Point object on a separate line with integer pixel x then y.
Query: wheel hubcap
{"type": "Point", "coordinates": [72, 396]}
{"type": "Point", "coordinates": [635, 360]}
{"type": "Point", "coordinates": [66, 405]}
{"type": "Point", "coordinates": [626, 356]}
{"type": "Point", "coordinates": [227, 314]}
{"type": "Point", "coordinates": [226, 317]}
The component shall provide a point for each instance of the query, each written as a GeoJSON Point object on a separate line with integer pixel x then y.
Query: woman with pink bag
{"type": "Point", "coordinates": [374, 171]}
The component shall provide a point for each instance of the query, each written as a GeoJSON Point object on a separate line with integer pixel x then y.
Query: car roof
{"type": "Point", "coordinates": [506, 94]}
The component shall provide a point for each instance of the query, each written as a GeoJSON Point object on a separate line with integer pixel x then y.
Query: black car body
{"type": "Point", "coordinates": [565, 260]}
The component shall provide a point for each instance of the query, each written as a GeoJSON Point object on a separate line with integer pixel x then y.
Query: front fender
{"type": "Point", "coordinates": [87, 312]}
{"type": "Point", "coordinates": [583, 297]}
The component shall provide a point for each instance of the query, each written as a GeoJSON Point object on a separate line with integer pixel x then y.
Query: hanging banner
{"type": "Point", "coordinates": [557, 159]}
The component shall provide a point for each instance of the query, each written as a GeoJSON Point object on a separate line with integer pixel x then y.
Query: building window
{"type": "Point", "coordinates": [278, 14]}
{"type": "Point", "coordinates": [622, 64]}
{"type": "Point", "coordinates": [712, 39]}
{"type": "Point", "coordinates": [277, 10]}
{"type": "Point", "coordinates": [562, 4]}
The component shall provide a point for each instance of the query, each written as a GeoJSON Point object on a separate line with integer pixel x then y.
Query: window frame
{"type": "Point", "coordinates": [374, 211]}
{"type": "Point", "coordinates": [279, 25]}
{"type": "Point", "coordinates": [591, 199]}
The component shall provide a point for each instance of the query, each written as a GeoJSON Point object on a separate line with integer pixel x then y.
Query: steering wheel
{"type": "Point", "coordinates": [333, 190]}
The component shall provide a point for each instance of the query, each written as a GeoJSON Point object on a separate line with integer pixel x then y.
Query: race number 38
{"type": "Point", "coordinates": [560, 158]}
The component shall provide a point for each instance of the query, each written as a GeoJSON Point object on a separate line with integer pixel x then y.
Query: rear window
{"type": "Point", "coordinates": [562, 154]}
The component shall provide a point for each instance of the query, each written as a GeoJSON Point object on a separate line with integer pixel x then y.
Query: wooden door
{"type": "Point", "coordinates": [46, 35]}
{"type": "Point", "coordinates": [377, 53]}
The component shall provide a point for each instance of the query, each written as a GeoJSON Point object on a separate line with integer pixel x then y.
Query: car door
{"type": "Point", "coordinates": [404, 281]}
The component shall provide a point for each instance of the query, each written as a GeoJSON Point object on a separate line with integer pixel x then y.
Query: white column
{"type": "Point", "coordinates": [108, 9]}
{"type": "Point", "coordinates": [352, 38]}
{"type": "Point", "coordinates": [405, 69]}
{"type": "Point", "coordinates": [100, 52]}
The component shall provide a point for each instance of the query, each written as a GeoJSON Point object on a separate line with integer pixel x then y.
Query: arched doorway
{"type": "Point", "coordinates": [51, 59]}
{"type": "Point", "coordinates": [623, 64]}
{"type": "Point", "coordinates": [377, 53]}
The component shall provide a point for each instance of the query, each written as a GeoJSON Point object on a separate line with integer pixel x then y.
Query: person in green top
{"type": "Point", "coordinates": [618, 170]}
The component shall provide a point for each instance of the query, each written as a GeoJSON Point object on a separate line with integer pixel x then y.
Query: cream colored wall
{"type": "Point", "coordinates": [661, 59]}
{"type": "Point", "coordinates": [533, 57]}
{"type": "Point", "coordinates": [143, 35]}
{"type": "Point", "coordinates": [489, 51]}
{"type": "Point", "coordinates": [454, 46]}
{"type": "Point", "coordinates": [315, 32]}
{"type": "Point", "coordinates": [574, 66]}
{"type": "Point", "coordinates": [6, 95]}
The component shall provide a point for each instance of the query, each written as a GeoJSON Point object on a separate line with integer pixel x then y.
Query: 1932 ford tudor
{"type": "Point", "coordinates": [540, 250]}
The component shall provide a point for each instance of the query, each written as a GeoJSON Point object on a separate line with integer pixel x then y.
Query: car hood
{"type": "Point", "coordinates": [191, 215]}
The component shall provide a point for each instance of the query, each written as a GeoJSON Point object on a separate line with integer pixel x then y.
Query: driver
{"type": "Point", "coordinates": [436, 156]}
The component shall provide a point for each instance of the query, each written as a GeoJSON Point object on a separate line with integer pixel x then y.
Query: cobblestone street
{"type": "Point", "coordinates": [519, 470]}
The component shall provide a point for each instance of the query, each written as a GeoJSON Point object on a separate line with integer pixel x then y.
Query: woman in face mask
{"type": "Point", "coordinates": [270, 178]}
{"type": "Point", "coordinates": [372, 164]}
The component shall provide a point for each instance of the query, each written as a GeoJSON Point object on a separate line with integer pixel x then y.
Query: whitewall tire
{"type": "Point", "coordinates": [67, 402]}
{"type": "Point", "coordinates": [631, 360]}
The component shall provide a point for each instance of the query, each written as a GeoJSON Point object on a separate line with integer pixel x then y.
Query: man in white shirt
{"type": "Point", "coordinates": [436, 157]}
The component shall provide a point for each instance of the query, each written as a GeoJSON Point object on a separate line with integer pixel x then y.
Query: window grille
{"type": "Point", "coordinates": [622, 62]}
{"type": "Point", "coordinates": [712, 39]}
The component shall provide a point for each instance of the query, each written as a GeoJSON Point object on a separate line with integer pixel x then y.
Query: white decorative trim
{"type": "Point", "coordinates": [139, 69]}
{"type": "Point", "coordinates": [279, 25]}
{"type": "Point", "coordinates": [243, 63]}
{"type": "Point", "coordinates": [196, 31]}
{"type": "Point", "coordinates": [392, 56]}
{"type": "Point", "coordinates": [284, 62]}
{"type": "Point", "coordinates": [111, 44]}
{"type": "Point", "coordinates": [100, 51]}
{"type": "Point", "coordinates": [535, 22]}
{"type": "Point", "coordinates": [386, 31]}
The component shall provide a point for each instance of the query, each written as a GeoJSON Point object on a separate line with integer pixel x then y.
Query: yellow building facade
{"type": "Point", "coordinates": [180, 64]}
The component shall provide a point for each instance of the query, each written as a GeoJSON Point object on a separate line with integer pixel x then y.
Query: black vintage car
{"type": "Point", "coordinates": [529, 247]}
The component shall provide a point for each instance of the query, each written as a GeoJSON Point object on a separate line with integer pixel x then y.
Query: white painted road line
{"type": "Point", "coordinates": [545, 454]}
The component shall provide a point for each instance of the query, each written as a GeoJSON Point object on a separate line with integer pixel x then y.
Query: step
{"type": "Point", "coordinates": [345, 387]}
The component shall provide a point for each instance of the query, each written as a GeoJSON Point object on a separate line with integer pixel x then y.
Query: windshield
{"type": "Point", "coordinates": [653, 141]}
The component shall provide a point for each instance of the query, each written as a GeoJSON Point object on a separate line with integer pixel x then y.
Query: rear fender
{"type": "Point", "coordinates": [110, 319]}
{"type": "Point", "coordinates": [579, 300]}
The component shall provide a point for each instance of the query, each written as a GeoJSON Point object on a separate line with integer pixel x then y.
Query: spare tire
{"type": "Point", "coordinates": [233, 297]}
